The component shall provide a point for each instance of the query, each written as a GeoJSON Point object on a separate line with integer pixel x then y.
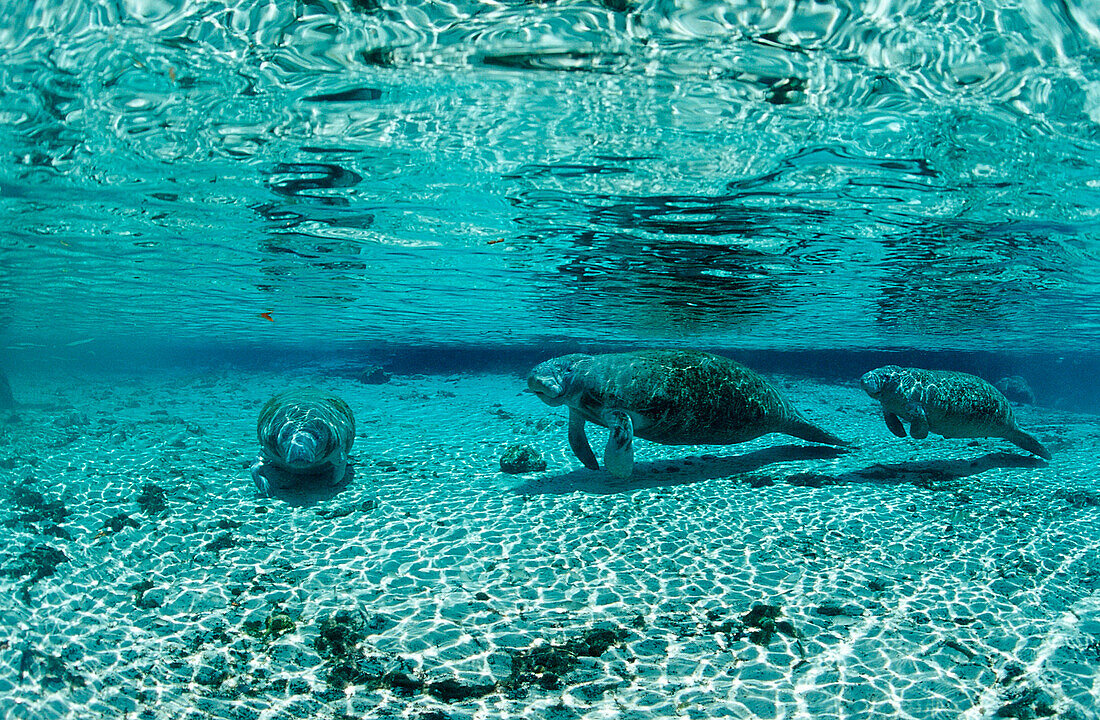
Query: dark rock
{"type": "Point", "coordinates": [1016, 389]}
{"type": "Point", "coordinates": [222, 542]}
{"type": "Point", "coordinates": [763, 623]}
{"type": "Point", "coordinates": [376, 623]}
{"type": "Point", "coordinates": [370, 671]}
{"type": "Point", "coordinates": [555, 659]}
{"type": "Point", "coordinates": [38, 508]}
{"type": "Point", "coordinates": [117, 523]}
{"type": "Point", "coordinates": [403, 684]}
{"type": "Point", "coordinates": [549, 681]}
{"type": "Point", "coordinates": [831, 608]}
{"type": "Point", "coordinates": [1028, 704]}
{"type": "Point", "coordinates": [813, 480]}
{"type": "Point", "coordinates": [213, 671]}
{"type": "Point", "coordinates": [597, 641]}
{"type": "Point", "coordinates": [152, 499]}
{"type": "Point", "coordinates": [760, 614]}
{"type": "Point", "coordinates": [298, 686]}
{"type": "Point", "coordinates": [1078, 498]}
{"type": "Point", "coordinates": [278, 623]}
{"type": "Point", "coordinates": [372, 375]}
{"type": "Point", "coordinates": [546, 664]}
{"type": "Point", "coordinates": [55, 676]}
{"type": "Point", "coordinates": [759, 481]}
{"type": "Point", "coordinates": [483, 596]}
{"type": "Point", "coordinates": [521, 458]}
{"type": "Point", "coordinates": [878, 584]}
{"type": "Point", "coordinates": [244, 712]}
{"type": "Point", "coordinates": [450, 690]}
{"type": "Point", "coordinates": [39, 562]}
{"type": "Point", "coordinates": [341, 634]}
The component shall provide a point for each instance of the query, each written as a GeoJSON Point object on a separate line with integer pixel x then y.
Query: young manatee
{"type": "Point", "coordinates": [951, 404]}
{"type": "Point", "coordinates": [673, 397]}
{"type": "Point", "coordinates": [305, 436]}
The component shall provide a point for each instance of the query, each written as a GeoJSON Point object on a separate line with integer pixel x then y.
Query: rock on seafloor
{"type": "Point", "coordinates": [522, 458]}
{"type": "Point", "coordinates": [1016, 389]}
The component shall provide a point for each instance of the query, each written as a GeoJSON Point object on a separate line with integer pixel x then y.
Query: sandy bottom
{"type": "Point", "coordinates": [144, 577]}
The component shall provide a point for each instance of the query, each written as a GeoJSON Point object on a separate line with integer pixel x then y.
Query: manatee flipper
{"type": "Point", "coordinates": [578, 441]}
{"type": "Point", "coordinates": [894, 423]}
{"type": "Point", "coordinates": [618, 457]}
{"type": "Point", "coordinates": [1027, 442]}
{"type": "Point", "coordinates": [262, 483]}
{"type": "Point", "coordinates": [339, 468]}
{"type": "Point", "coordinates": [918, 425]}
{"type": "Point", "coordinates": [800, 427]}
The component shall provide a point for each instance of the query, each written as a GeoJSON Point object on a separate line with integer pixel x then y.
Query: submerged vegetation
{"type": "Point", "coordinates": [152, 500]}
{"type": "Point", "coordinates": [343, 634]}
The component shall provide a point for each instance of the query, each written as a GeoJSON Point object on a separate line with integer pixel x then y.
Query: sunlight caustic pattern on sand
{"type": "Point", "coordinates": [144, 577]}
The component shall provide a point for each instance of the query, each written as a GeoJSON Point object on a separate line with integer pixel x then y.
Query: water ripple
{"type": "Point", "coordinates": [858, 167]}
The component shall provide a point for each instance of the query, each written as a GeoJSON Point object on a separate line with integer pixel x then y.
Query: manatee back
{"type": "Point", "coordinates": [962, 405]}
{"type": "Point", "coordinates": [686, 397]}
{"type": "Point", "coordinates": [301, 407]}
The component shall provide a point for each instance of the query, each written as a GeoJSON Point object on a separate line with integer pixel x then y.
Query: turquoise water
{"type": "Point", "coordinates": [780, 175]}
{"type": "Point", "coordinates": [409, 205]}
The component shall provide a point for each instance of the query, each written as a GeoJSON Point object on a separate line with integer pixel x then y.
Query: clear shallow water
{"type": "Point", "coordinates": [782, 175]}
{"type": "Point", "coordinates": [457, 191]}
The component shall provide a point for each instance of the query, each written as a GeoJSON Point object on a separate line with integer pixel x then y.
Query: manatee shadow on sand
{"type": "Point", "coordinates": [685, 471]}
{"type": "Point", "coordinates": [923, 473]}
{"type": "Point", "coordinates": [307, 491]}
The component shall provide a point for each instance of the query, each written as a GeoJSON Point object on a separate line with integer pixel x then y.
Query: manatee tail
{"type": "Point", "coordinates": [1020, 438]}
{"type": "Point", "coordinates": [800, 427]}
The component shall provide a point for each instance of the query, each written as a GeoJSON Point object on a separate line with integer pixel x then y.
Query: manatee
{"type": "Point", "coordinates": [6, 399]}
{"type": "Point", "coordinates": [672, 397]}
{"type": "Point", "coordinates": [948, 403]}
{"type": "Point", "coordinates": [305, 436]}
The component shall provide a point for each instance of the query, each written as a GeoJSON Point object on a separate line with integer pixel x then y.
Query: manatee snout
{"type": "Point", "coordinates": [546, 388]}
{"type": "Point", "coordinates": [871, 384]}
{"type": "Point", "coordinates": [301, 447]}
{"type": "Point", "coordinates": [878, 381]}
{"type": "Point", "coordinates": [549, 380]}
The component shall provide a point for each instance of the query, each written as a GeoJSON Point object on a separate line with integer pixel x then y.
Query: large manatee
{"type": "Point", "coordinates": [673, 397]}
{"type": "Point", "coordinates": [305, 436]}
{"type": "Point", "coordinates": [948, 403]}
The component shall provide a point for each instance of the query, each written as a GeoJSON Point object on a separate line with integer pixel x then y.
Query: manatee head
{"type": "Point", "coordinates": [302, 443]}
{"type": "Point", "coordinates": [550, 381]}
{"type": "Point", "coordinates": [881, 381]}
